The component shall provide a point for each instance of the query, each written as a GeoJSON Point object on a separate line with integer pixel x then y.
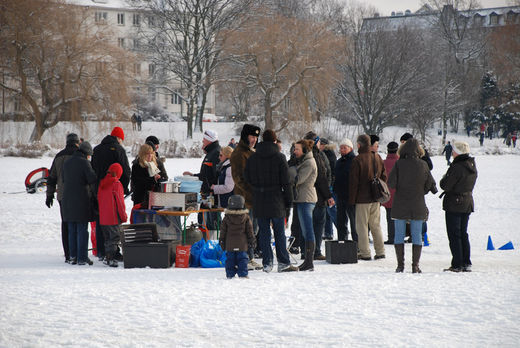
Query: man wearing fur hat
{"type": "Point", "coordinates": [55, 184]}
{"type": "Point", "coordinates": [458, 184]}
{"type": "Point", "coordinates": [108, 152]}
{"type": "Point", "coordinates": [244, 150]}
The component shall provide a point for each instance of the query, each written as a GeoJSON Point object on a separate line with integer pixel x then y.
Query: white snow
{"type": "Point", "coordinates": [45, 302]}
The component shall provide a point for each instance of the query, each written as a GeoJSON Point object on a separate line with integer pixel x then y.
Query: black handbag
{"type": "Point", "coordinates": [379, 188]}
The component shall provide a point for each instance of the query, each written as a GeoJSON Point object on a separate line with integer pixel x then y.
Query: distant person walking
{"type": "Point", "coordinates": [139, 123]}
{"type": "Point", "coordinates": [133, 119]}
{"type": "Point", "coordinates": [447, 152]}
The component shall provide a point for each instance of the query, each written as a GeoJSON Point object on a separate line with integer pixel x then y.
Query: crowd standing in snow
{"type": "Point", "coordinates": [258, 186]}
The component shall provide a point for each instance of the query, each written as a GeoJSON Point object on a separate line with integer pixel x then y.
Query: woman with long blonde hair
{"type": "Point", "coordinates": [145, 174]}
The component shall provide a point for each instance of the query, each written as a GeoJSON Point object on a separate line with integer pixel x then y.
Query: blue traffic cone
{"type": "Point", "coordinates": [426, 241]}
{"type": "Point", "coordinates": [507, 246]}
{"type": "Point", "coordinates": [490, 244]}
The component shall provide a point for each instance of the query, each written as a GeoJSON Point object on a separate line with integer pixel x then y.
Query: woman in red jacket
{"type": "Point", "coordinates": [112, 210]}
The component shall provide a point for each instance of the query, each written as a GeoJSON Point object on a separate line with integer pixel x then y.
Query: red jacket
{"type": "Point", "coordinates": [390, 160]}
{"type": "Point", "coordinates": [111, 199]}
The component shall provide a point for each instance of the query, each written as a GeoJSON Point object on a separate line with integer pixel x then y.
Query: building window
{"type": "Point", "coordinates": [136, 19]}
{"type": "Point", "coordinates": [151, 70]}
{"type": "Point", "coordinates": [121, 42]}
{"type": "Point", "coordinates": [101, 67]}
{"type": "Point", "coordinates": [136, 44]}
{"type": "Point", "coordinates": [493, 19]}
{"type": "Point", "coordinates": [137, 69]}
{"type": "Point", "coordinates": [151, 93]}
{"type": "Point", "coordinates": [121, 18]}
{"type": "Point", "coordinates": [176, 99]}
{"type": "Point", "coordinates": [478, 20]}
{"type": "Point", "coordinates": [100, 17]}
{"type": "Point", "coordinates": [151, 21]}
{"type": "Point", "coordinates": [17, 103]}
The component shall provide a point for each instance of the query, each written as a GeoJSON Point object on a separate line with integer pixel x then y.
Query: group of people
{"type": "Point", "coordinates": [257, 185]}
{"type": "Point", "coordinates": [311, 183]}
{"type": "Point", "coordinates": [91, 185]}
{"type": "Point", "coordinates": [137, 122]}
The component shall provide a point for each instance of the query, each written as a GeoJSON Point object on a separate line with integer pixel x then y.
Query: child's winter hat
{"type": "Point", "coordinates": [236, 202]}
{"type": "Point", "coordinates": [115, 170]}
{"type": "Point", "coordinates": [461, 147]}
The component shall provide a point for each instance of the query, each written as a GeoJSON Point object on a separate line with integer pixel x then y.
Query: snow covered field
{"type": "Point", "coordinates": [45, 302]}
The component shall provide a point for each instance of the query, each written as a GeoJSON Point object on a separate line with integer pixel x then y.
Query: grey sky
{"type": "Point", "coordinates": [385, 7]}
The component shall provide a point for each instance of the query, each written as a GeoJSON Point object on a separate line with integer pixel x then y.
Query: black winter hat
{"type": "Point", "coordinates": [86, 148]}
{"type": "Point", "coordinates": [392, 147]}
{"type": "Point", "coordinates": [72, 138]}
{"type": "Point", "coordinates": [236, 202]}
{"type": "Point", "coordinates": [373, 139]}
{"type": "Point", "coordinates": [249, 129]}
{"type": "Point", "coordinates": [152, 139]}
{"type": "Point", "coordinates": [406, 136]}
{"type": "Point", "coordinates": [324, 141]}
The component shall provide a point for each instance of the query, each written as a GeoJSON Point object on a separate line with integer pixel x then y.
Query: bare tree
{"type": "Point", "coordinates": [185, 39]}
{"type": "Point", "coordinates": [460, 43]}
{"type": "Point", "coordinates": [59, 62]}
{"type": "Point", "coordinates": [279, 56]}
{"type": "Point", "coordinates": [379, 67]}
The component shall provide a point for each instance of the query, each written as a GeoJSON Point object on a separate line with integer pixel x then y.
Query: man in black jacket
{"type": "Point", "coordinates": [55, 184]}
{"type": "Point", "coordinates": [328, 149]}
{"type": "Point", "coordinates": [346, 211]}
{"type": "Point", "coordinates": [208, 174]}
{"type": "Point", "coordinates": [322, 185]}
{"type": "Point", "coordinates": [266, 172]}
{"type": "Point", "coordinates": [108, 152]}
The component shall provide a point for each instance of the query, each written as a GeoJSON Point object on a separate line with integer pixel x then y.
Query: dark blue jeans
{"type": "Point", "coordinates": [236, 263]}
{"type": "Point", "coordinates": [318, 223]}
{"type": "Point", "coordinates": [305, 219]}
{"type": "Point", "coordinates": [457, 227]}
{"type": "Point", "coordinates": [78, 240]}
{"type": "Point", "coordinates": [264, 230]}
{"type": "Point", "coordinates": [100, 239]}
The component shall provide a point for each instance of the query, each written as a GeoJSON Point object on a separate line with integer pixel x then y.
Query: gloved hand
{"type": "Point", "coordinates": [49, 201]}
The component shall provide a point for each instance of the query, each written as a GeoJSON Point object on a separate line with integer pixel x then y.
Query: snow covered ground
{"type": "Point", "coordinates": [45, 302]}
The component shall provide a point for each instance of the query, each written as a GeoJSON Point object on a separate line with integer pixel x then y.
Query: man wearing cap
{"type": "Point", "coordinates": [55, 184]}
{"type": "Point", "coordinates": [208, 172]}
{"type": "Point", "coordinates": [78, 191]}
{"type": "Point", "coordinates": [322, 185]}
{"type": "Point", "coordinates": [345, 210]}
{"type": "Point", "coordinates": [245, 148]}
{"type": "Point", "coordinates": [368, 212]}
{"type": "Point", "coordinates": [390, 160]}
{"type": "Point", "coordinates": [458, 184]}
{"type": "Point", "coordinates": [328, 149]}
{"type": "Point", "coordinates": [109, 151]}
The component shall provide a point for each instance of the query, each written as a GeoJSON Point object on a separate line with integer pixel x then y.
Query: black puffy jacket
{"type": "Point", "coordinates": [107, 153]}
{"type": "Point", "coordinates": [458, 184]}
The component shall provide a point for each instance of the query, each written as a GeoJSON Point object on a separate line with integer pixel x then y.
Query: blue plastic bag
{"type": "Point", "coordinates": [195, 251]}
{"type": "Point", "coordinates": [212, 255]}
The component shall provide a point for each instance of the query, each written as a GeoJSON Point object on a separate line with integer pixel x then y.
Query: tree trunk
{"type": "Point", "coordinates": [268, 113]}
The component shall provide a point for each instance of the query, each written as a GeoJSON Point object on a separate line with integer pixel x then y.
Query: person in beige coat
{"type": "Point", "coordinates": [305, 197]}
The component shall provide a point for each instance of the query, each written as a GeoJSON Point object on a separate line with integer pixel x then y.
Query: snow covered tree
{"type": "Point", "coordinates": [60, 63]}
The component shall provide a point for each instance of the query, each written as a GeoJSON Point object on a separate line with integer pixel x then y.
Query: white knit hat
{"type": "Point", "coordinates": [346, 142]}
{"type": "Point", "coordinates": [210, 135]}
{"type": "Point", "coordinates": [461, 147]}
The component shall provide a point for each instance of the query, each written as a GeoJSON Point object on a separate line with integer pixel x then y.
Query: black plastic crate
{"type": "Point", "coordinates": [153, 255]}
{"type": "Point", "coordinates": [341, 251]}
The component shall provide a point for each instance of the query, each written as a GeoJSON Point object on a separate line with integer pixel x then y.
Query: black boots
{"type": "Point", "coordinates": [399, 254]}
{"type": "Point", "coordinates": [416, 256]}
{"type": "Point", "coordinates": [308, 265]}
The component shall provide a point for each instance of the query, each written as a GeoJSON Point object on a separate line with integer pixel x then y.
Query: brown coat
{"type": "Point", "coordinates": [236, 232]}
{"type": "Point", "coordinates": [238, 161]}
{"type": "Point", "coordinates": [361, 173]}
{"type": "Point", "coordinates": [412, 179]}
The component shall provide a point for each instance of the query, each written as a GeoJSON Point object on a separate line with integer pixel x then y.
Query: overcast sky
{"type": "Point", "coordinates": [385, 7]}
